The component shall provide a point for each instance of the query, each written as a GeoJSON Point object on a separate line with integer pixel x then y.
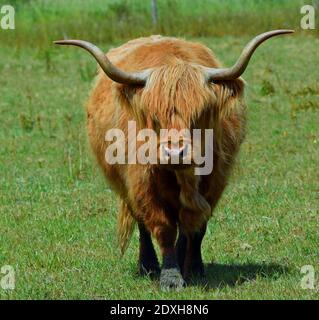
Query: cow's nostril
{"type": "Point", "coordinates": [180, 153]}
{"type": "Point", "coordinates": [183, 151]}
{"type": "Point", "coordinates": [167, 151]}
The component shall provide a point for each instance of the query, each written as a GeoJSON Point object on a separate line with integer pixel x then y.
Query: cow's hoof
{"type": "Point", "coordinates": [171, 279]}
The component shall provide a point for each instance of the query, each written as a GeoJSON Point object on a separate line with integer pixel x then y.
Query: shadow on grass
{"type": "Point", "coordinates": [222, 275]}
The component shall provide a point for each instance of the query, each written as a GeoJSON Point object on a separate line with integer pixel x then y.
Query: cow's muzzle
{"type": "Point", "coordinates": [175, 153]}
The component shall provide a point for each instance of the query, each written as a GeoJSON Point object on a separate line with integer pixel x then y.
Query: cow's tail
{"type": "Point", "coordinates": [125, 227]}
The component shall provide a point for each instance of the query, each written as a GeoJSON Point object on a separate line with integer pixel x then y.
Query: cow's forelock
{"type": "Point", "coordinates": [175, 96]}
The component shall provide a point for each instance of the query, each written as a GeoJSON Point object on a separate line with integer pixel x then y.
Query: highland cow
{"type": "Point", "coordinates": [167, 83]}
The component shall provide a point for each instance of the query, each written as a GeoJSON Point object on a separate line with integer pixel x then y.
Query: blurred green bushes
{"type": "Point", "coordinates": [38, 22]}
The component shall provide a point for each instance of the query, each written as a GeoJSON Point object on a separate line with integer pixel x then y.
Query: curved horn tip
{"type": "Point", "coordinates": [59, 42]}
{"type": "Point", "coordinates": [285, 30]}
{"type": "Point", "coordinates": [62, 42]}
{"type": "Point", "coordinates": [288, 31]}
{"type": "Point", "coordinates": [279, 31]}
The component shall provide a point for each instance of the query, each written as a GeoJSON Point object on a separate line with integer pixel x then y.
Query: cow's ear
{"type": "Point", "coordinates": [229, 92]}
{"type": "Point", "coordinates": [235, 88]}
{"type": "Point", "coordinates": [126, 91]}
{"type": "Point", "coordinates": [125, 94]}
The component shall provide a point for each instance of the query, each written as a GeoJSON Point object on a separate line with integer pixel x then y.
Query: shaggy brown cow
{"type": "Point", "coordinates": [167, 83]}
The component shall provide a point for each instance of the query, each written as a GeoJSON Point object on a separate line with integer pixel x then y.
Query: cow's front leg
{"type": "Point", "coordinates": [171, 277]}
{"type": "Point", "coordinates": [188, 250]}
{"type": "Point", "coordinates": [165, 234]}
{"type": "Point", "coordinates": [148, 263]}
{"type": "Point", "coordinates": [180, 249]}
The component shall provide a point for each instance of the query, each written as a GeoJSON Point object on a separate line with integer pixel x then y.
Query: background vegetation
{"type": "Point", "coordinates": [41, 21]}
{"type": "Point", "coordinates": [57, 214]}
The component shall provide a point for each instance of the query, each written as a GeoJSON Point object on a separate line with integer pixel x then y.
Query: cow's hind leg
{"type": "Point", "coordinates": [148, 263]}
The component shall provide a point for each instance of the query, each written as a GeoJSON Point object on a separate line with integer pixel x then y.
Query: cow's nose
{"type": "Point", "coordinates": [176, 153]}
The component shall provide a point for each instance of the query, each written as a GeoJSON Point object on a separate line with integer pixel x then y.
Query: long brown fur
{"type": "Point", "coordinates": [175, 96]}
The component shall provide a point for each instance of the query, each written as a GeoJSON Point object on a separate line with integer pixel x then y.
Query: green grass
{"type": "Point", "coordinates": [58, 217]}
{"type": "Point", "coordinates": [38, 22]}
{"type": "Point", "coordinates": [57, 214]}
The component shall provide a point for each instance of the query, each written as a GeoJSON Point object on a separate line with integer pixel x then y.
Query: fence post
{"type": "Point", "coordinates": [154, 12]}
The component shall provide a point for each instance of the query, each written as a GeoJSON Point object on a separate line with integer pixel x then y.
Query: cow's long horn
{"type": "Point", "coordinates": [239, 67]}
{"type": "Point", "coordinates": [117, 75]}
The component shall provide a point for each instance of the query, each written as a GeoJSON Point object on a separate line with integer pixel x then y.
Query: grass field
{"type": "Point", "coordinates": [57, 214]}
